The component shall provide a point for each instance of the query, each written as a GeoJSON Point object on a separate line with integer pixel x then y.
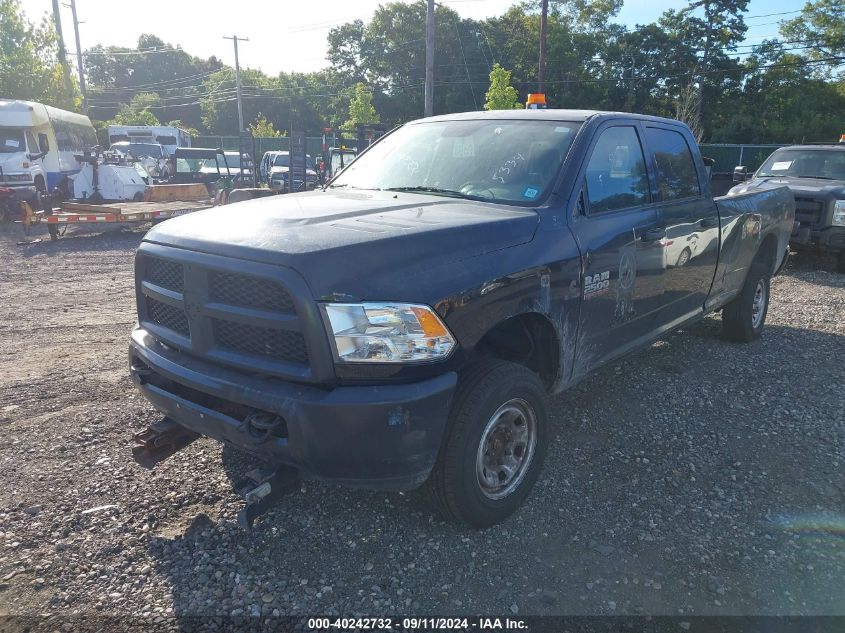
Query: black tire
{"type": "Point", "coordinates": [840, 263]}
{"type": "Point", "coordinates": [484, 389]}
{"type": "Point", "coordinates": [684, 257]}
{"type": "Point", "coordinates": [742, 321]}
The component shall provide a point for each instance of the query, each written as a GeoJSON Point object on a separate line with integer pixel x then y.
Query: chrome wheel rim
{"type": "Point", "coordinates": [506, 448]}
{"type": "Point", "coordinates": [758, 305]}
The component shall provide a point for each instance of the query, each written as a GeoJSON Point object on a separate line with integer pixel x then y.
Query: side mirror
{"type": "Point", "coordinates": [43, 143]}
{"type": "Point", "coordinates": [708, 166]}
{"type": "Point", "coordinates": [740, 173]}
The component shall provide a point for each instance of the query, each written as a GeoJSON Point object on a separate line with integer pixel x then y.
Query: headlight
{"type": "Point", "coordinates": [386, 333]}
{"type": "Point", "coordinates": [839, 213]}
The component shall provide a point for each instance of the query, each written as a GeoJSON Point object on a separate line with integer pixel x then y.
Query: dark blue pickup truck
{"type": "Point", "coordinates": [405, 325]}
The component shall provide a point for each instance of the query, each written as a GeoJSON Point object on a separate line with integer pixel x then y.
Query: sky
{"type": "Point", "coordinates": [283, 37]}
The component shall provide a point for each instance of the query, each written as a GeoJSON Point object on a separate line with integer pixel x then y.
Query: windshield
{"type": "Point", "coordinates": [504, 160]}
{"type": "Point", "coordinates": [828, 164]}
{"type": "Point", "coordinates": [11, 141]}
{"type": "Point", "coordinates": [233, 160]}
{"type": "Point", "coordinates": [341, 160]}
{"type": "Point", "coordinates": [282, 160]}
{"type": "Point", "coordinates": [184, 165]}
{"type": "Point", "coordinates": [139, 149]}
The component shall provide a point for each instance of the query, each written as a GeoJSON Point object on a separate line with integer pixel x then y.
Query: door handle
{"type": "Point", "coordinates": [652, 235]}
{"type": "Point", "coordinates": [708, 223]}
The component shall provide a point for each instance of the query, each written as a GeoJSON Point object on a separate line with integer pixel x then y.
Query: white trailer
{"type": "Point", "coordinates": [167, 136]}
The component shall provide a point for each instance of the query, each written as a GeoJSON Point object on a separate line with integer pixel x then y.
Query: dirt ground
{"type": "Point", "coordinates": [696, 477]}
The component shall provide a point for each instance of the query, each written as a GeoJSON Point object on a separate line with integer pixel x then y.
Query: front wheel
{"type": "Point", "coordinates": [743, 318]}
{"type": "Point", "coordinates": [496, 444]}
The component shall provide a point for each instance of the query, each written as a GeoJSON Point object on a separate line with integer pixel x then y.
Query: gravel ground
{"type": "Point", "coordinates": [695, 477]}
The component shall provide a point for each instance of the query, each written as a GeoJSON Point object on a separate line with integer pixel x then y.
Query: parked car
{"type": "Point", "coordinates": [406, 325]}
{"type": "Point", "coordinates": [277, 173]}
{"type": "Point", "coordinates": [816, 176]}
{"type": "Point", "coordinates": [265, 164]}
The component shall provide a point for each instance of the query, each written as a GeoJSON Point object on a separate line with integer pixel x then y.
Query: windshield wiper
{"type": "Point", "coordinates": [437, 191]}
{"type": "Point", "coordinates": [816, 177]}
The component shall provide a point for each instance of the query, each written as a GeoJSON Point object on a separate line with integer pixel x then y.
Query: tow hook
{"type": "Point", "coordinates": [261, 489]}
{"type": "Point", "coordinates": [159, 441]}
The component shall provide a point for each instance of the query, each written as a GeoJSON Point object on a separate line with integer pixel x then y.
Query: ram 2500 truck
{"type": "Point", "coordinates": [816, 176]}
{"type": "Point", "coordinates": [405, 325]}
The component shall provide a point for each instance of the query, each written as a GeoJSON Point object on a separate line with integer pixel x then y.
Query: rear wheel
{"type": "Point", "coordinates": [840, 262]}
{"type": "Point", "coordinates": [495, 447]}
{"type": "Point", "coordinates": [744, 317]}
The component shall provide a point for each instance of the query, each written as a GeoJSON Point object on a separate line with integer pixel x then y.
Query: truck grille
{"type": "Point", "coordinates": [808, 212]}
{"type": "Point", "coordinates": [250, 292]}
{"type": "Point", "coordinates": [260, 341]}
{"type": "Point", "coordinates": [168, 316]}
{"type": "Point", "coordinates": [167, 274]}
{"type": "Point", "coordinates": [249, 321]}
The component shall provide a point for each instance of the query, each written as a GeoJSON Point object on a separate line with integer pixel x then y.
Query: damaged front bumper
{"type": "Point", "coordinates": [384, 436]}
{"type": "Point", "coordinates": [830, 238]}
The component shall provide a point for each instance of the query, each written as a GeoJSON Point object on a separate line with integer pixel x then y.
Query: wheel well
{"type": "Point", "coordinates": [527, 339]}
{"type": "Point", "coordinates": [768, 252]}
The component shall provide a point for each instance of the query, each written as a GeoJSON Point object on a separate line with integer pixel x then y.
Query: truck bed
{"type": "Point", "coordinates": [744, 218]}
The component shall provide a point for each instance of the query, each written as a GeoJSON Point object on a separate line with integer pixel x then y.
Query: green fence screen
{"type": "Point", "coordinates": [729, 156]}
{"type": "Point", "coordinates": [726, 156]}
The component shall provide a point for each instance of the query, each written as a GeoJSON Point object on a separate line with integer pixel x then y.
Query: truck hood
{"type": "Point", "coordinates": [815, 187]}
{"type": "Point", "coordinates": [13, 162]}
{"type": "Point", "coordinates": [347, 243]}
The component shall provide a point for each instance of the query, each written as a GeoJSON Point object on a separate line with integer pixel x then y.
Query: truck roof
{"type": "Point", "coordinates": [546, 115]}
{"type": "Point", "coordinates": [834, 146]}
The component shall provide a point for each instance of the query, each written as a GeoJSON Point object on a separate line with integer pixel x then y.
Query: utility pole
{"type": "Point", "coordinates": [541, 74]}
{"type": "Point", "coordinates": [235, 39]}
{"type": "Point", "coordinates": [57, 18]}
{"type": "Point", "coordinates": [79, 55]}
{"type": "Point", "coordinates": [429, 59]}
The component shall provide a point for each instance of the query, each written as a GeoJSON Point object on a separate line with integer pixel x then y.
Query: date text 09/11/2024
{"type": "Point", "coordinates": [418, 624]}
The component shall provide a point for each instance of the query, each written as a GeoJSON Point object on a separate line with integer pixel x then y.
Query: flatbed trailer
{"type": "Point", "coordinates": [111, 213]}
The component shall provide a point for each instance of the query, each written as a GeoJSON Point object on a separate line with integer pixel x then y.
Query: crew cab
{"type": "Point", "coordinates": [405, 325]}
{"type": "Point", "coordinates": [816, 176]}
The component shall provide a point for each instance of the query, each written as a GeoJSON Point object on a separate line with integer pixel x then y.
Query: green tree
{"type": "Point", "coordinates": [29, 66]}
{"type": "Point", "coordinates": [263, 128]}
{"type": "Point", "coordinates": [501, 95]}
{"type": "Point", "coordinates": [822, 25]}
{"type": "Point", "coordinates": [361, 108]}
{"type": "Point", "coordinates": [137, 111]}
{"type": "Point", "coordinates": [116, 74]}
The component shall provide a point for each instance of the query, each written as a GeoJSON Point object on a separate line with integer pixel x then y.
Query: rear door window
{"type": "Point", "coordinates": [616, 174]}
{"type": "Point", "coordinates": [676, 174]}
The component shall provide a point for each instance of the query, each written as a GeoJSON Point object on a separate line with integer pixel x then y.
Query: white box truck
{"type": "Point", "coordinates": [38, 144]}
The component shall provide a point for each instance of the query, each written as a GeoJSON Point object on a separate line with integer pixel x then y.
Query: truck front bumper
{"type": "Point", "coordinates": [384, 437]}
{"type": "Point", "coordinates": [25, 192]}
{"type": "Point", "coordinates": [831, 238]}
